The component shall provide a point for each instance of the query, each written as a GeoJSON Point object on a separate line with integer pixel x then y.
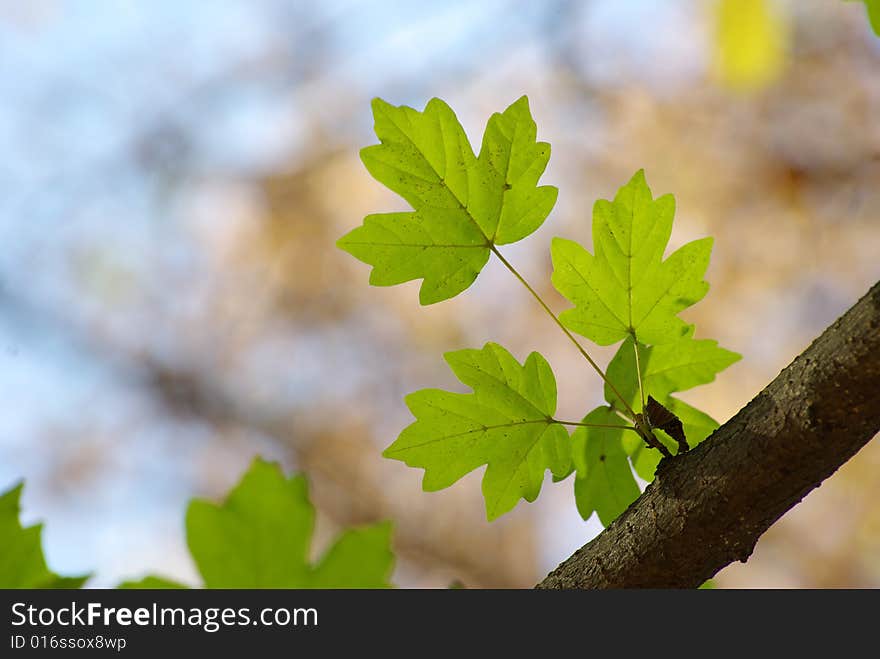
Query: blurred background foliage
{"type": "Point", "coordinates": [174, 177]}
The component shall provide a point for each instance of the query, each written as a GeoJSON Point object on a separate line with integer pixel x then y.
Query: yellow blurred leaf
{"type": "Point", "coordinates": [751, 43]}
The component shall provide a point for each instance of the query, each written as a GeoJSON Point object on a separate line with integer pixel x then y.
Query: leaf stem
{"type": "Point", "coordinates": [563, 328]}
{"type": "Point", "coordinates": [594, 425]}
{"type": "Point", "coordinates": [639, 372]}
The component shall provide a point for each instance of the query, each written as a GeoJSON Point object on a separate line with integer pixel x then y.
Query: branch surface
{"type": "Point", "coordinates": [707, 508]}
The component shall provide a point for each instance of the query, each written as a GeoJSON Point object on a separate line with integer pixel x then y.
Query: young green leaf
{"type": "Point", "coordinates": [604, 482]}
{"type": "Point", "coordinates": [506, 423]}
{"type": "Point", "coordinates": [260, 536]}
{"type": "Point", "coordinates": [626, 288]}
{"type": "Point", "coordinates": [463, 204]}
{"type": "Point", "coordinates": [22, 564]}
{"type": "Point", "coordinates": [667, 368]}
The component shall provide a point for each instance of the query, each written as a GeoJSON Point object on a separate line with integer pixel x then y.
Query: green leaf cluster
{"type": "Point", "coordinates": [626, 290]}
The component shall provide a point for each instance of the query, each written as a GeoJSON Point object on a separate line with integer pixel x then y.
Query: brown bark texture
{"type": "Point", "coordinates": [707, 508]}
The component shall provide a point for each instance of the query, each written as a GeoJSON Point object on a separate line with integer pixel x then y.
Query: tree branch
{"type": "Point", "coordinates": [707, 508]}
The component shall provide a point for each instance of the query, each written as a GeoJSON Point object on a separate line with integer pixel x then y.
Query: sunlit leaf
{"type": "Point", "coordinates": [667, 368]}
{"type": "Point", "coordinates": [507, 424]}
{"type": "Point", "coordinates": [462, 204]}
{"type": "Point", "coordinates": [626, 288]}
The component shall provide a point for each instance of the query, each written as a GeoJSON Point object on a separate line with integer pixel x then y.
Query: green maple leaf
{"type": "Point", "coordinates": [22, 564]}
{"type": "Point", "coordinates": [626, 288]}
{"type": "Point", "coordinates": [670, 367]}
{"type": "Point", "coordinates": [667, 368]}
{"type": "Point", "coordinates": [506, 423]}
{"type": "Point", "coordinates": [260, 536]}
{"type": "Point", "coordinates": [604, 481]}
{"type": "Point", "coordinates": [463, 205]}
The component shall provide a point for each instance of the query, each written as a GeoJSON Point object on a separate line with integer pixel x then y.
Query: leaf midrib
{"type": "Point", "coordinates": [524, 460]}
{"type": "Point", "coordinates": [480, 429]}
{"type": "Point", "coordinates": [442, 181]}
{"type": "Point", "coordinates": [576, 271]}
{"type": "Point", "coordinates": [506, 384]}
{"type": "Point", "coordinates": [629, 256]}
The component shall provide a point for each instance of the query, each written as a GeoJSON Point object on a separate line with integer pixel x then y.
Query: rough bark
{"type": "Point", "coordinates": [707, 508]}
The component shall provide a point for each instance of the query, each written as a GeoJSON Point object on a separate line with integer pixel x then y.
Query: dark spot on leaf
{"type": "Point", "coordinates": [601, 458]}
